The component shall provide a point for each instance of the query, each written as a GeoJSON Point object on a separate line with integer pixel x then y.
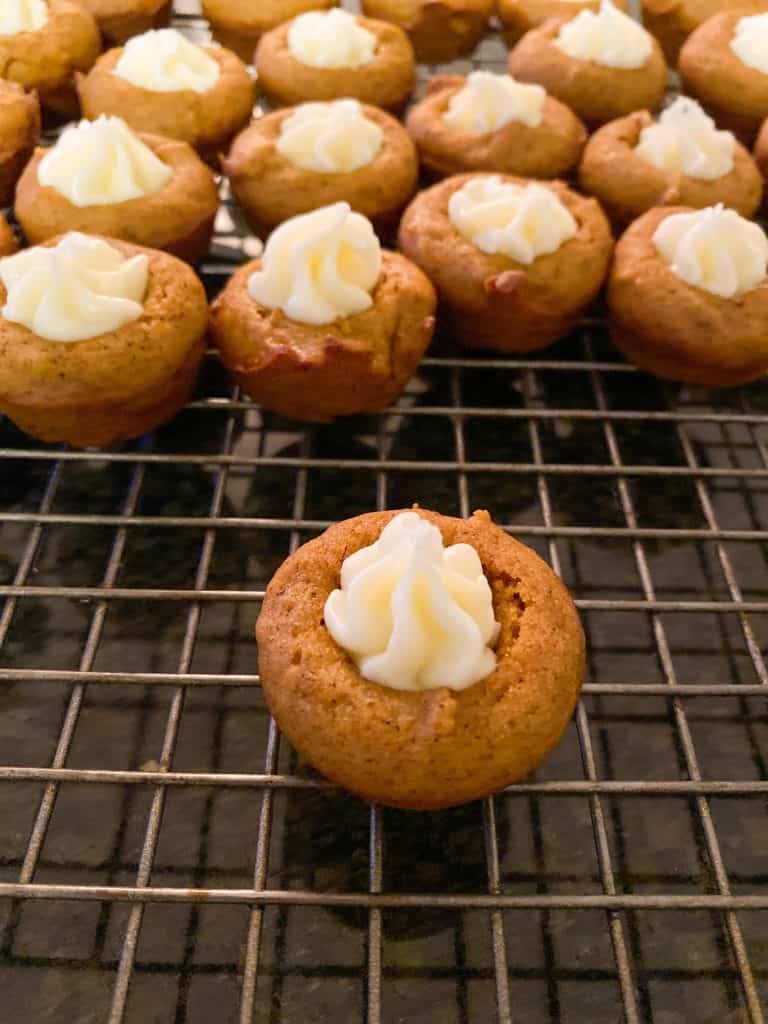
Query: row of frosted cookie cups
{"type": "Point", "coordinates": [327, 323]}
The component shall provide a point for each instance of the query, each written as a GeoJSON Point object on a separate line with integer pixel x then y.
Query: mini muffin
{"type": "Point", "coordinates": [724, 64]}
{"type": "Point", "coordinates": [418, 660]}
{"type": "Point", "coordinates": [239, 26]}
{"type": "Point", "coordinates": [19, 134]}
{"type": "Point", "coordinates": [672, 21]}
{"type": "Point", "coordinates": [520, 16]}
{"type": "Point", "coordinates": [514, 262]}
{"type": "Point", "coordinates": [682, 159]}
{"type": "Point", "coordinates": [43, 43]}
{"type": "Point", "coordinates": [325, 324]}
{"type": "Point", "coordinates": [100, 340]}
{"type": "Point", "coordinates": [8, 242]}
{"type": "Point", "coordinates": [440, 30]}
{"type": "Point", "coordinates": [162, 83]}
{"type": "Point", "coordinates": [294, 160]}
{"type": "Point", "coordinates": [600, 65]}
{"type": "Point", "coordinates": [328, 55]}
{"type": "Point", "coordinates": [118, 20]}
{"type": "Point", "coordinates": [103, 179]}
{"type": "Point", "coordinates": [490, 122]}
{"type": "Point", "coordinates": [688, 296]}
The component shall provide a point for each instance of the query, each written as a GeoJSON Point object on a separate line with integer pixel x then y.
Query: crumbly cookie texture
{"type": "Point", "coordinates": [422, 749]}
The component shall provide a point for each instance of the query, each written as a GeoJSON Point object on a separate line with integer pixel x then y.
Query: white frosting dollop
{"type": "Point", "coordinates": [686, 140]}
{"type": "Point", "coordinates": [750, 42]}
{"type": "Point", "coordinates": [609, 37]}
{"type": "Point", "coordinates": [331, 138]}
{"type": "Point", "coordinates": [22, 16]}
{"type": "Point", "coordinates": [319, 266]}
{"type": "Point", "coordinates": [488, 102]}
{"type": "Point", "coordinates": [75, 290]}
{"type": "Point", "coordinates": [163, 60]}
{"type": "Point", "coordinates": [100, 162]}
{"type": "Point", "coordinates": [520, 221]}
{"type": "Point", "coordinates": [714, 249]}
{"type": "Point", "coordinates": [412, 614]}
{"type": "Point", "coordinates": [330, 39]}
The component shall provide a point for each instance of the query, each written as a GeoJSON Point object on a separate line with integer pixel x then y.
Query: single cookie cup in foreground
{"type": "Point", "coordinates": [601, 65]}
{"type": "Point", "coordinates": [440, 30]}
{"type": "Point", "coordinates": [418, 660]}
{"type": "Point", "coordinates": [489, 122]}
{"type": "Point", "coordinates": [520, 16]}
{"type": "Point", "coordinates": [724, 64]}
{"type": "Point", "coordinates": [681, 159]}
{"type": "Point", "coordinates": [161, 83]}
{"type": "Point", "coordinates": [119, 20]}
{"type": "Point", "coordinates": [293, 160]}
{"type": "Point", "coordinates": [325, 324]}
{"type": "Point", "coordinates": [688, 296]}
{"type": "Point", "coordinates": [240, 25]}
{"type": "Point", "coordinates": [104, 179]}
{"type": "Point", "coordinates": [43, 44]}
{"type": "Point", "coordinates": [514, 262]}
{"type": "Point", "coordinates": [672, 21]}
{"type": "Point", "coordinates": [100, 341]}
{"type": "Point", "coordinates": [328, 55]}
{"type": "Point", "coordinates": [19, 134]}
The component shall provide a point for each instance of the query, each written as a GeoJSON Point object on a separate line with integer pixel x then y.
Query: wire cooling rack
{"type": "Point", "coordinates": [164, 857]}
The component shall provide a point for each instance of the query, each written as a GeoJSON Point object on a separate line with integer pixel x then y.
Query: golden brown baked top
{"type": "Point", "coordinates": [19, 119]}
{"type": "Point", "coordinates": [137, 357]}
{"type": "Point", "coordinates": [69, 39]}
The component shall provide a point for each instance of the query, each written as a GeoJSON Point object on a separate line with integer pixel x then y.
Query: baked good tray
{"type": "Point", "coordinates": [165, 858]}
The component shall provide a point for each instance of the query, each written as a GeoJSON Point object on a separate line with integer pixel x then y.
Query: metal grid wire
{"type": "Point", "coordinates": [164, 857]}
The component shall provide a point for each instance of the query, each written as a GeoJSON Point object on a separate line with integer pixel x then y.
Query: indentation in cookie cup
{"type": "Point", "coordinates": [270, 188]}
{"type": "Point", "coordinates": [627, 185]}
{"type": "Point", "coordinates": [429, 749]}
{"type": "Point", "coordinates": [356, 364]}
{"type": "Point", "coordinates": [677, 331]}
{"type": "Point", "coordinates": [178, 219]}
{"type": "Point", "coordinates": [550, 150]}
{"type": "Point", "coordinates": [492, 302]}
{"type": "Point", "coordinates": [597, 94]}
{"type": "Point", "coordinates": [117, 386]}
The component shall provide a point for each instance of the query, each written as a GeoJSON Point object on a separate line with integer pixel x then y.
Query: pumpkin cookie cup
{"type": "Point", "coordinates": [387, 81]}
{"type": "Point", "coordinates": [548, 150]}
{"type": "Point", "coordinates": [670, 328]}
{"type": "Point", "coordinates": [115, 386]}
{"type": "Point", "coordinates": [672, 21]}
{"type": "Point", "coordinates": [490, 301]}
{"type": "Point", "coordinates": [208, 121]}
{"type": "Point", "coordinates": [440, 30]}
{"type": "Point", "coordinates": [240, 25]}
{"type": "Point", "coordinates": [357, 364]}
{"type": "Point", "coordinates": [178, 219]}
{"type": "Point", "coordinates": [734, 94]}
{"type": "Point", "coordinates": [520, 16]}
{"type": "Point", "coordinates": [431, 748]}
{"type": "Point", "coordinates": [270, 188]}
{"type": "Point", "coordinates": [48, 58]}
{"type": "Point", "coordinates": [19, 134]}
{"type": "Point", "coordinates": [597, 94]}
{"type": "Point", "coordinates": [118, 20]}
{"type": "Point", "coordinates": [627, 185]}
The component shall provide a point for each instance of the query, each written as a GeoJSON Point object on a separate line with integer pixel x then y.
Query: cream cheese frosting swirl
{"type": "Point", "coordinates": [22, 16]}
{"type": "Point", "coordinates": [487, 102]}
{"type": "Point", "coordinates": [686, 140]}
{"type": "Point", "coordinates": [519, 221]}
{"type": "Point", "coordinates": [750, 42]}
{"type": "Point", "coordinates": [715, 249]}
{"type": "Point", "coordinates": [78, 289]}
{"type": "Point", "coordinates": [413, 614]}
{"type": "Point", "coordinates": [609, 37]}
{"type": "Point", "coordinates": [319, 266]}
{"type": "Point", "coordinates": [101, 162]}
{"type": "Point", "coordinates": [331, 138]}
{"type": "Point", "coordinates": [163, 60]}
{"type": "Point", "coordinates": [330, 39]}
